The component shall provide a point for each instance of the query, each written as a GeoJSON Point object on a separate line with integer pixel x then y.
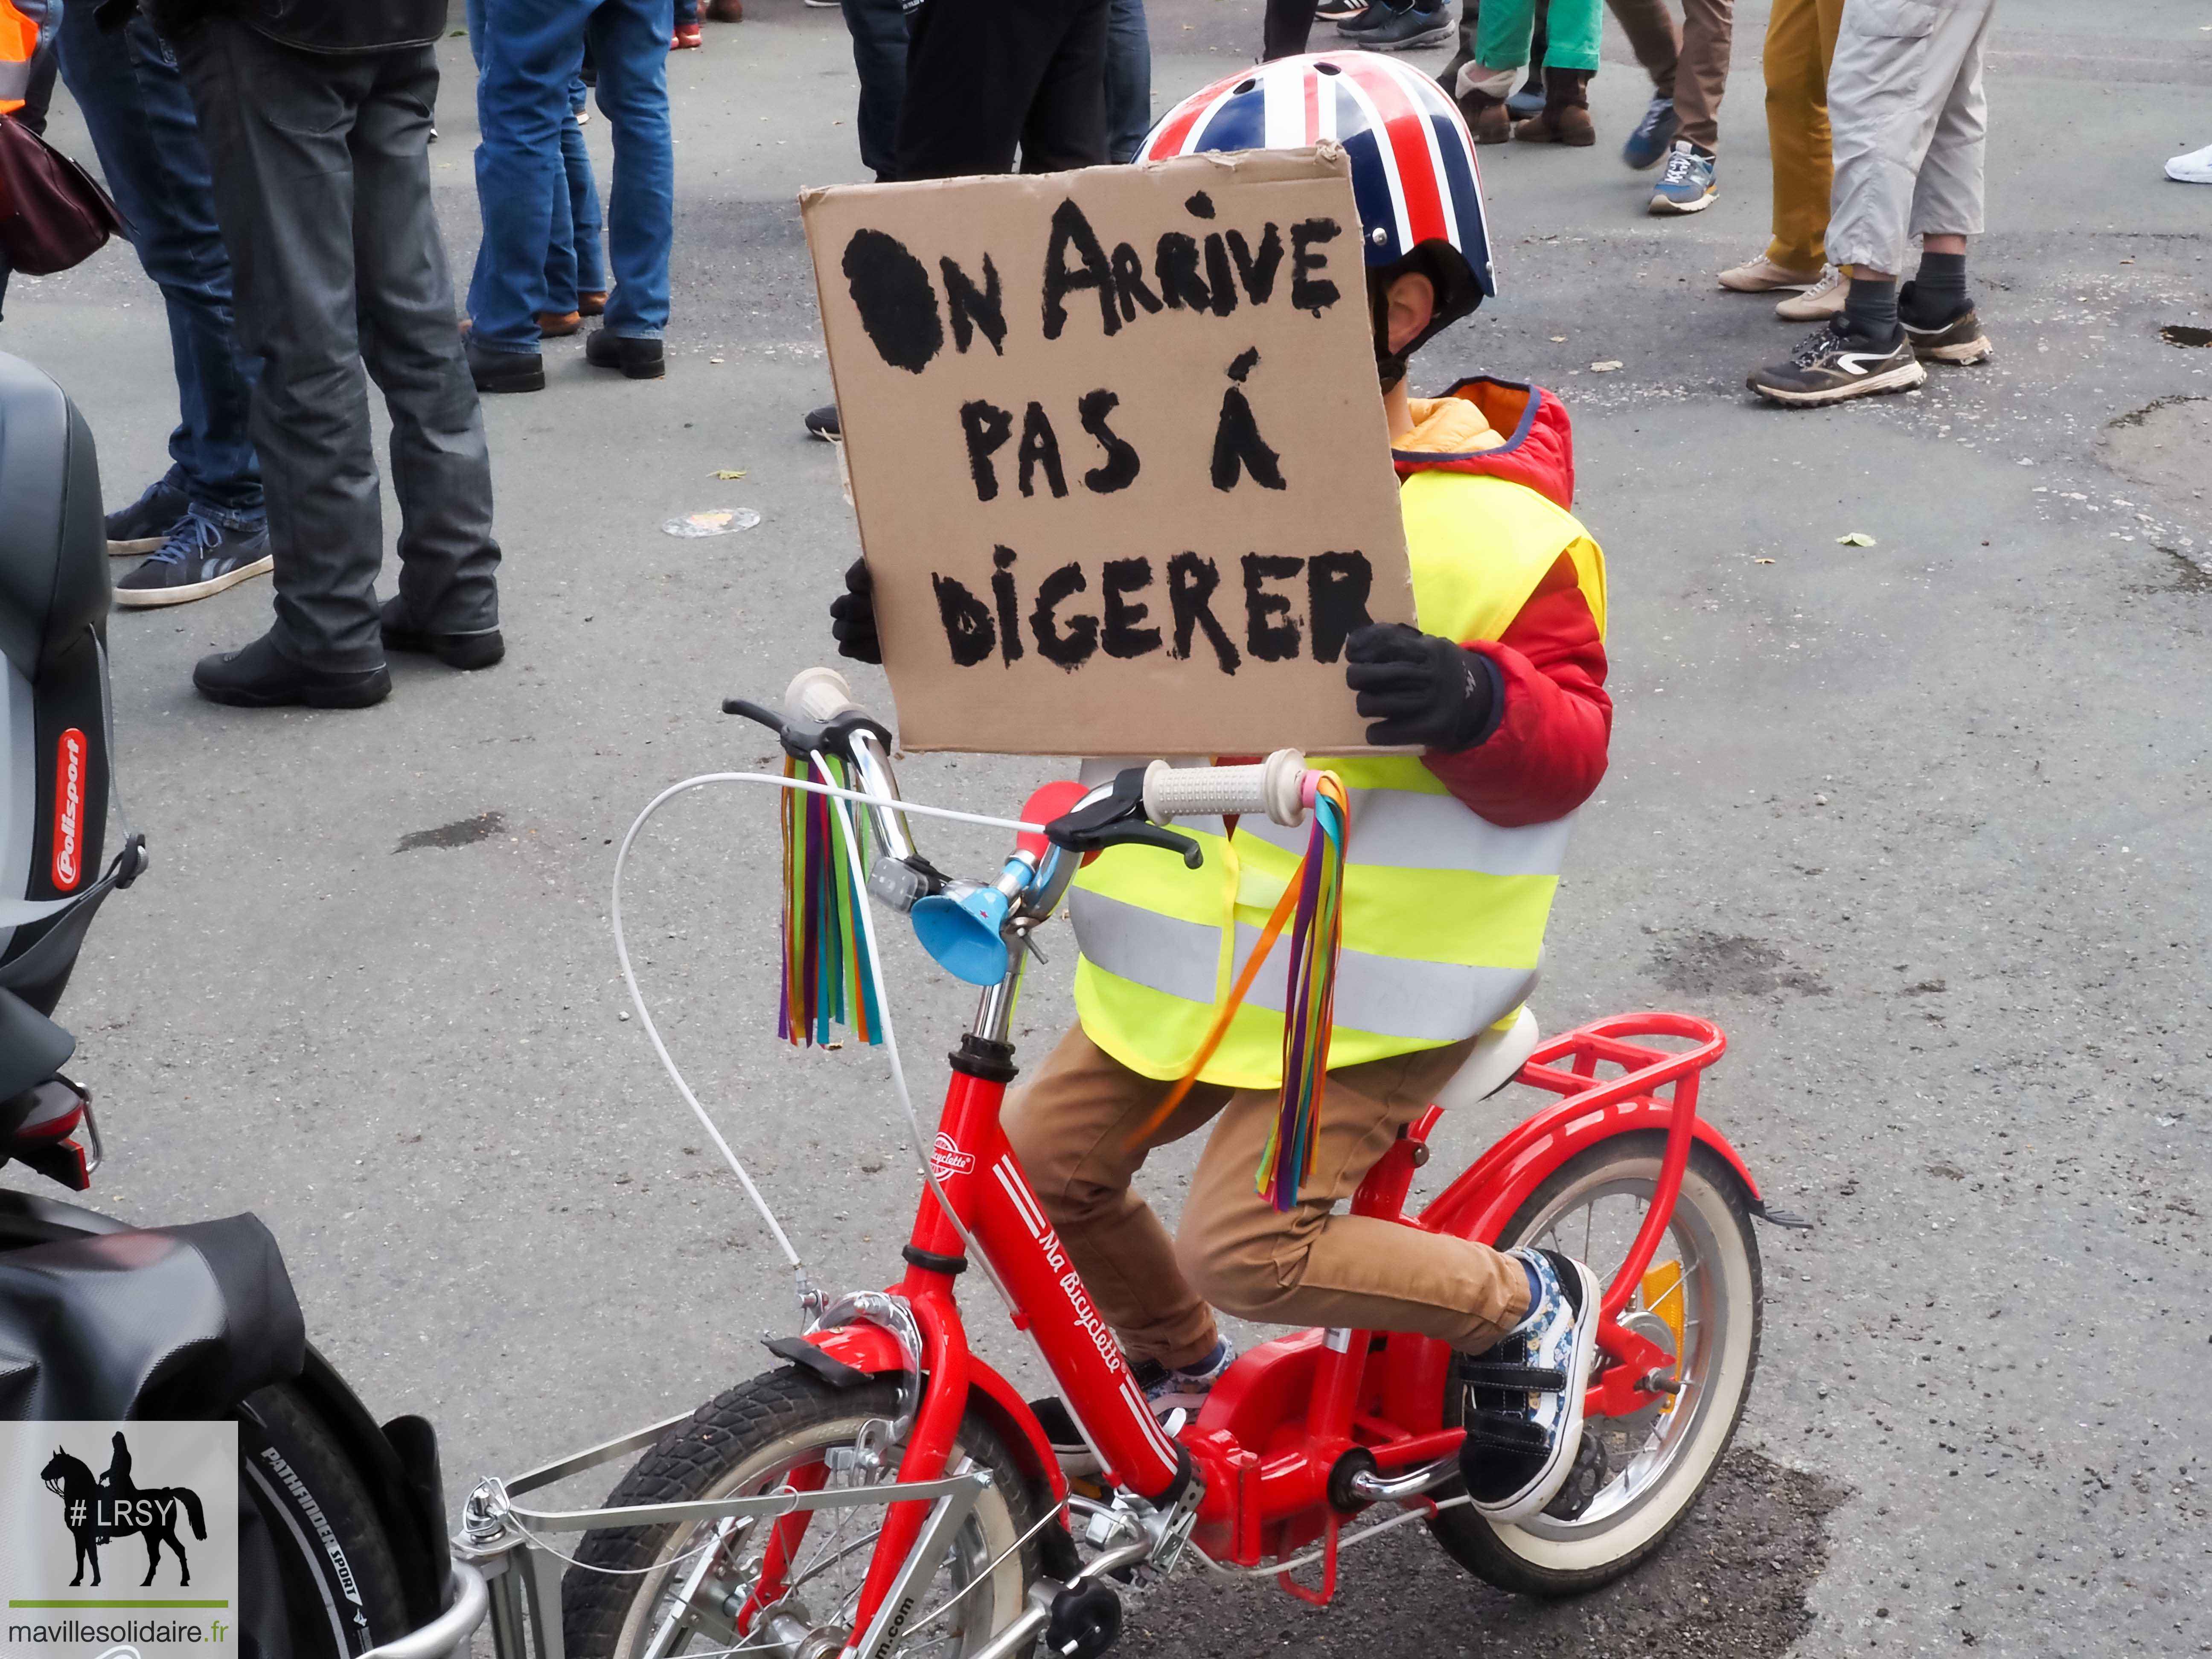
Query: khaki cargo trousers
{"type": "Point", "coordinates": [1071, 1126]}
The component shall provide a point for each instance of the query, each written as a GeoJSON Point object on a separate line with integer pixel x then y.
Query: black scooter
{"type": "Point", "coordinates": [341, 1547]}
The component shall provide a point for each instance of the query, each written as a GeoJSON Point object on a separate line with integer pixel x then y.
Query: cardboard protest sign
{"type": "Point", "coordinates": [1116, 443]}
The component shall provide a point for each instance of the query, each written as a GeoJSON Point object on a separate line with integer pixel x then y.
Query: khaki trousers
{"type": "Point", "coordinates": [1689, 64]}
{"type": "Point", "coordinates": [1800, 45]}
{"type": "Point", "coordinates": [1070, 1124]}
{"type": "Point", "coordinates": [1911, 123]}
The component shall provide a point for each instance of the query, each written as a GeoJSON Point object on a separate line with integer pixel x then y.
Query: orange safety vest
{"type": "Point", "coordinates": [18, 38]}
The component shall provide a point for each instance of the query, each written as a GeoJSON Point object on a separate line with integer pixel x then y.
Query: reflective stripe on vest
{"type": "Point", "coordinates": [1443, 911]}
{"type": "Point", "coordinates": [18, 38]}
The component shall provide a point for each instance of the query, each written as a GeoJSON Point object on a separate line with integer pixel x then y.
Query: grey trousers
{"type": "Point", "coordinates": [1909, 123]}
{"type": "Point", "coordinates": [322, 186]}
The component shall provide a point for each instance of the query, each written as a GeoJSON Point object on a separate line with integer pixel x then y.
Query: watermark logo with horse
{"type": "Point", "coordinates": [77, 1499]}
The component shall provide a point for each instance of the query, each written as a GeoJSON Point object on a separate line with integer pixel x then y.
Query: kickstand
{"type": "Point", "coordinates": [1322, 1597]}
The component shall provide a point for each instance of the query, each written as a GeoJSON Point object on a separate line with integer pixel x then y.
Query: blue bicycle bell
{"type": "Point", "coordinates": [963, 933]}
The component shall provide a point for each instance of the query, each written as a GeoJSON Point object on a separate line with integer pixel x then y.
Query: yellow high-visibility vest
{"type": "Point", "coordinates": [1443, 910]}
{"type": "Point", "coordinates": [18, 38]}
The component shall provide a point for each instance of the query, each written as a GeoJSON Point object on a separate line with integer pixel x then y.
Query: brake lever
{"type": "Point", "coordinates": [1114, 816]}
{"type": "Point", "coordinates": [1146, 834]}
{"type": "Point", "coordinates": [801, 739]}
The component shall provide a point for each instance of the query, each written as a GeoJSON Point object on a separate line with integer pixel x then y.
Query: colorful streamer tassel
{"type": "Point", "coordinates": [826, 976]}
{"type": "Point", "coordinates": [1316, 935]}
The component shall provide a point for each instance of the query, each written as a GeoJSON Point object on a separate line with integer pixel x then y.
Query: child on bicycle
{"type": "Point", "coordinates": [1452, 862]}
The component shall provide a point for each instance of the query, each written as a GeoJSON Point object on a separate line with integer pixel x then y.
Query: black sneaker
{"type": "Point", "coordinates": [261, 677]}
{"type": "Point", "coordinates": [638, 359]}
{"type": "Point", "coordinates": [146, 523]}
{"type": "Point", "coordinates": [1335, 11]}
{"type": "Point", "coordinates": [1373, 16]}
{"type": "Point", "coordinates": [1958, 340]}
{"type": "Point", "coordinates": [480, 649]}
{"type": "Point", "coordinates": [1524, 1394]}
{"type": "Point", "coordinates": [1069, 1448]}
{"type": "Point", "coordinates": [824, 423]}
{"type": "Point", "coordinates": [200, 557]}
{"type": "Point", "coordinates": [506, 371]}
{"type": "Point", "coordinates": [1836, 365]}
{"type": "Point", "coordinates": [1408, 28]}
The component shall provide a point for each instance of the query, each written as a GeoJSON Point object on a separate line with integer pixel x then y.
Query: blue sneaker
{"type": "Point", "coordinates": [1653, 136]}
{"type": "Point", "coordinates": [146, 523]}
{"type": "Point", "coordinates": [1687, 185]}
{"type": "Point", "coordinates": [200, 557]}
{"type": "Point", "coordinates": [1530, 99]}
{"type": "Point", "coordinates": [1524, 1394]}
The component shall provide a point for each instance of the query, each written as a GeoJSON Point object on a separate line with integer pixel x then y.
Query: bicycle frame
{"type": "Point", "coordinates": [1308, 1429]}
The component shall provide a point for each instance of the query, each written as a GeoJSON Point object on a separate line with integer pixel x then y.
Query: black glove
{"type": "Point", "coordinates": [1417, 687]}
{"type": "Point", "coordinates": [853, 617]}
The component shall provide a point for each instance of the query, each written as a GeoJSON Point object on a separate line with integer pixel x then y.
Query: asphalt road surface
{"type": "Point", "coordinates": [1927, 824]}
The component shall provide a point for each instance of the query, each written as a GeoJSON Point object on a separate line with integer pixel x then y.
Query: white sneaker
{"type": "Point", "coordinates": [1824, 299]}
{"type": "Point", "coordinates": [2194, 168]}
{"type": "Point", "coordinates": [1763, 276]}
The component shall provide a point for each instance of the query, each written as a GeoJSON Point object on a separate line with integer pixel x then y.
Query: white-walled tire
{"type": "Point", "coordinates": [623, 1589]}
{"type": "Point", "coordinates": [1590, 1208]}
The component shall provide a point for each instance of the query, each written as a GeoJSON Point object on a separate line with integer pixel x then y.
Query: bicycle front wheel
{"type": "Point", "coordinates": [1699, 1299]}
{"type": "Point", "coordinates": [626, 1596]}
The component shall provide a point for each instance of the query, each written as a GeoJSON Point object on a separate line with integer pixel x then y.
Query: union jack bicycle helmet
{"type": "Point", "coordinates": [1413, 163]}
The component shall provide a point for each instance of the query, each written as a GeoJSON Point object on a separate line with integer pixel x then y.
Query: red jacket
{"type": "Point", "coordinates": [1546, 749]}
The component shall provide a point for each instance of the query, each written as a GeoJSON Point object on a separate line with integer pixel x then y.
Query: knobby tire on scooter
{"type": "Point", "coordinates": [340, 1580]}
{"type": "Point", "coordinates": [1474, 1542]}
{"type": "Point", "coordinates": [697, 1458]}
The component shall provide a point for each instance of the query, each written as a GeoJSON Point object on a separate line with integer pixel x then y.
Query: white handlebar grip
{"type": "Point", "coordinates": [1275, 787]}
{"type": "Point", "coordinates": [816, 694]}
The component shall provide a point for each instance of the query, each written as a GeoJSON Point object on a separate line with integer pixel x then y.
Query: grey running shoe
{"type": "Point", "coordinates": [200, 557]}
{"type": "Point", "coordinates": [1836, 365]}
{"type": "Point", "coordinates": [1408, 28]}
{"type": "Point", "coordinates": [1959, 341]}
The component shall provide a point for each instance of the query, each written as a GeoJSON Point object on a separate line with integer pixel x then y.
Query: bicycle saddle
{"type": "Point", "coordinates": [1499, 1053]}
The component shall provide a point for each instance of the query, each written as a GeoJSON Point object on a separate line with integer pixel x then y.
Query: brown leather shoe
{"type": "Point", "coordinates": [1565, 118]}
{"type": "Point", "coordinates": [555, 323]}
{"type": "Point", "coordinates": [1488, 122]}
{"type": "Point", "coordinates": [726, 11]}
{"type": "Point", "coordinates": [591, 304]}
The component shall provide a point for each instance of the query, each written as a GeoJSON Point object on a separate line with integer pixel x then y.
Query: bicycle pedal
{"type": "Point", "coordinates": [1584, 1481]}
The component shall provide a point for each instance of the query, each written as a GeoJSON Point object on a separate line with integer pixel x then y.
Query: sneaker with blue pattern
{"type": "Point", "coordinates": [1654, 134]}
{"type": "Point", "coordinates": [200, 557]}
{"type": "Point", "coordinates": [1524, 1392]}
{"type": "Point", "coordinates": [1687, 185]}
{"type": "Point", "coordinates": [146, 523]}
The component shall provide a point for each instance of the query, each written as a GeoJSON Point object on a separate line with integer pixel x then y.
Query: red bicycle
{"type": "Point", "coordinates": [886, 1491]}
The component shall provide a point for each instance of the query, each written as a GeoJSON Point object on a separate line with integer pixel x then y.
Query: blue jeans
{"type": "Point", "coordinates": [529, 50]}
{"type": "Point", "coordinates": [1128, 79]}
{"type": "Point", "coordinates": [576, 260]}
{"type": "Point", "coordinates": [140, 115]}
{"type": "Point", "coordinates": [574, 256]}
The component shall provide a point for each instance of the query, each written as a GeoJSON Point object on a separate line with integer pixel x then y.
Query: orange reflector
{"type": "Point", "coordinates": [1661, 1293]}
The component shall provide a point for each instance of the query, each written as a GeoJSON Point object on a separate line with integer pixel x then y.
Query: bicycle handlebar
{"type": "Point", "coordinates": [1275, 786]}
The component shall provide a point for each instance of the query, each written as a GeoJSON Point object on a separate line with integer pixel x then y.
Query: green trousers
{"type": "Point", "coordinates": [1502, 30]}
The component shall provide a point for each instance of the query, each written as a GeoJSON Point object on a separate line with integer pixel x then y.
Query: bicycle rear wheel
{"type": "Point", "coordinates": [624, 1598]}
{"type": "Point", "coordinates": [1700, 1299]}
{"type": "Point", "coordinates": [337, 1591]}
